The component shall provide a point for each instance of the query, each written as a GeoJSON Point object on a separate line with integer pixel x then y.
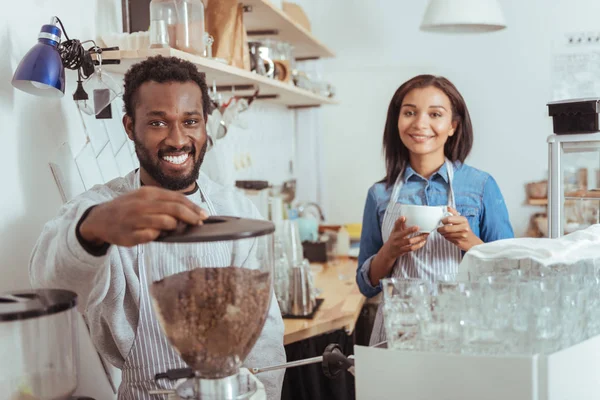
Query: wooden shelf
{"type": "Point", "coordinates": [267, 17]}
{"type": "Point", "coordinates": [593, 194]}
{"type": "Point", "coordinates": [537, 202]}
{"type": "Point", "coordinates": [226, 75]}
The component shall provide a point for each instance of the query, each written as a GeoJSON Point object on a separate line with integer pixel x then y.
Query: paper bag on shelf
{"type": "Point", "coordinates": [297, 14]}
{"type": "Point", "coordinates": [225, 22]}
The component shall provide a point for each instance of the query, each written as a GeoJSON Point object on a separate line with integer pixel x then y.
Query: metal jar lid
{"type": "Point", "coordinates": [218, 228]}
{"type": "Point", "coordinates": [26, 304]}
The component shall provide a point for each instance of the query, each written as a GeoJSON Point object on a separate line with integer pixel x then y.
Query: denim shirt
{"type": "Point", "coordinates": [477, 196]}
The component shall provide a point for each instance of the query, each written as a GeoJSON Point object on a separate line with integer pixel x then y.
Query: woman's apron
{"type": "Point", "coordinates": [438, 257]}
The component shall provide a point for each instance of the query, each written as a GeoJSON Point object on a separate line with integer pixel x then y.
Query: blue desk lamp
{"type": "Point", "coordinates": [42, 71]}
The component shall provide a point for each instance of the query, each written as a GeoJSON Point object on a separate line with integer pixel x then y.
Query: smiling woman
{"type": "Point", "coordinates": [430, 106]}
{"type": "Point", "coordinates": [425, 124]}
{"type": "Point", "coordinates": [428, 135]}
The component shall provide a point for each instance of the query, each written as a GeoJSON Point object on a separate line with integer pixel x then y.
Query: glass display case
{"type": "Point", "coordinates": [574, 182]}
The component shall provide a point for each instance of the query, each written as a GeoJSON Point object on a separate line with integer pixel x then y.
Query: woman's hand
{"type": "Point", "coordinates": [400, 243]}
{"type": "Point", "coordinates": [456, 230]}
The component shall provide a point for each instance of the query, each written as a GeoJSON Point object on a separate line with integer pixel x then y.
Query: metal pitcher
{"type": "Point", "coordinates": [302, 300]}
{"type": "Point", "coordinates": [260, 63]}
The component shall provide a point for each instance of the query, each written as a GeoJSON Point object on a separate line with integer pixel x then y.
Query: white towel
{"type": "Point", "coordinates": [570, 249]}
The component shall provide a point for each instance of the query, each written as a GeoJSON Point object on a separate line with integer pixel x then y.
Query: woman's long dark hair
{"type": "Point", "coordinates": [458, 146]}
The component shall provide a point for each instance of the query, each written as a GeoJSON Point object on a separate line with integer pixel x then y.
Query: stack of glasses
{"type": "Point", "coordinates": [500, 310]}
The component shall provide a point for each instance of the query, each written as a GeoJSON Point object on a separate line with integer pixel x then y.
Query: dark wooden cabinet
{"type": "Point", "coordinates": [136, 15]}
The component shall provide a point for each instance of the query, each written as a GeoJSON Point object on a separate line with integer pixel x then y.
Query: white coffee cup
{"type": "Point", "coordinates": [427, 218]}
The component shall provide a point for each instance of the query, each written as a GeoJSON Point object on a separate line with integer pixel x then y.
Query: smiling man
{"type": "Point", "coordinates": [93, 246]}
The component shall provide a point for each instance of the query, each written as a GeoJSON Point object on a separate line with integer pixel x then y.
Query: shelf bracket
{"type": "Point", "coordinates": [261, 97]}
{"type": "Point", "coordinates": [264, 32]}
{"type": "Point", "coordinates": [307, 58]}
{"type": "Point", "coordinates": [298, 107]}
{"type": "Point", "coordinates": [266, 96]}
{"type": "Point", "coordinates": [232, 88]}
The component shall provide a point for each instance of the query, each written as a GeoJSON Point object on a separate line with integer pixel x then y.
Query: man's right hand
{"type": "Point", "coordinates": [139, 217]}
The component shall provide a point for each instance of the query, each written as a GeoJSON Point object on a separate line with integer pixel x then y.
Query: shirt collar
{"type": "Point", "coordinates": [442, 172]}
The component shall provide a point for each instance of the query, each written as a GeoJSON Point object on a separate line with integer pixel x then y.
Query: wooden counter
{"type": "Point", "coordinates": [341, 306]}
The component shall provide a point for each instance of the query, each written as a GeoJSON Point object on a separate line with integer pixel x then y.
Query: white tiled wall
{"type": "Point", "coordinates": [259, 145]}
{"type": "Point", "coordinates": [105, 154]}
{"type": "Point", "coordinates": [88, 166]}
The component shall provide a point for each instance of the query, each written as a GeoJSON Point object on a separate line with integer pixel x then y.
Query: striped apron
{"type": "Point", "coordinates": [438, 257]}
{"type": "Point", "coordinates": [151, 352]}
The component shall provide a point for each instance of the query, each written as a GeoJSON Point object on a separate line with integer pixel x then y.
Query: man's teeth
{"type": "Point", "coordinates": [176, 159]}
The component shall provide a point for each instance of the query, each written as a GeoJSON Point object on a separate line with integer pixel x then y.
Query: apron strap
{"type": "Point", "coordinates": [399, 183]}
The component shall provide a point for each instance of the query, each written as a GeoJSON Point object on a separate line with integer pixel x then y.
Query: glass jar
{"type": "Point", "coordinates": [163, 14]}
{"type": "Point", "coordinates": [211, 288]}
{"type": "Point", "coordinates": [184, 20]}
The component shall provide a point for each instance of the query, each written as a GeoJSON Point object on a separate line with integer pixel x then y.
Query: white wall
{"type": "Point", "coordinates": [34, 127]}
{"type": "Point", "coordinates": [33, 130]}
{"type": "Point", "coordinates": [504, 76]}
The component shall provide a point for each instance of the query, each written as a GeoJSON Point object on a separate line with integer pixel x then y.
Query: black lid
{"type": "Point", "coordinates": [26, 304]}
{"type": "Point", "coordinates": [256, 185]}
{"type": "Point", "coordinates": [573, 107]}
{"type": "Point", "coordinates": [218, 228]}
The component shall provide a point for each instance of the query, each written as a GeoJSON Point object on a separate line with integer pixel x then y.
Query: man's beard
{"type": "Point", "coordinates": [151, 165]}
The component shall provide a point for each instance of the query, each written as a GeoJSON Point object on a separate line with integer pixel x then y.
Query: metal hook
{"type": "Point", "coordinates": [99, 58]}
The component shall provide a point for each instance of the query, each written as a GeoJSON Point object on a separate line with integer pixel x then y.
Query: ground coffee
{"type": "Point", "coordinates": [213, 316]}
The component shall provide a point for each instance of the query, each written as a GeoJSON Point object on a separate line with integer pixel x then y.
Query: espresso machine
{"type": "Point", "coordinates": [38, 345]}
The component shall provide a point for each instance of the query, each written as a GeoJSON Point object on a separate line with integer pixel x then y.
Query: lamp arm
{"type": "Point", "coordinates": [62, 26]}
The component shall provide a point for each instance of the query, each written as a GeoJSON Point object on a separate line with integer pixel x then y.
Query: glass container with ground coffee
{"type": "Point", "coordinates": [211, 288]}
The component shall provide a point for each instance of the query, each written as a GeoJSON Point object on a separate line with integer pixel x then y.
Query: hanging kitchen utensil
{"type": "Point", "coordinates": [102, 89]}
